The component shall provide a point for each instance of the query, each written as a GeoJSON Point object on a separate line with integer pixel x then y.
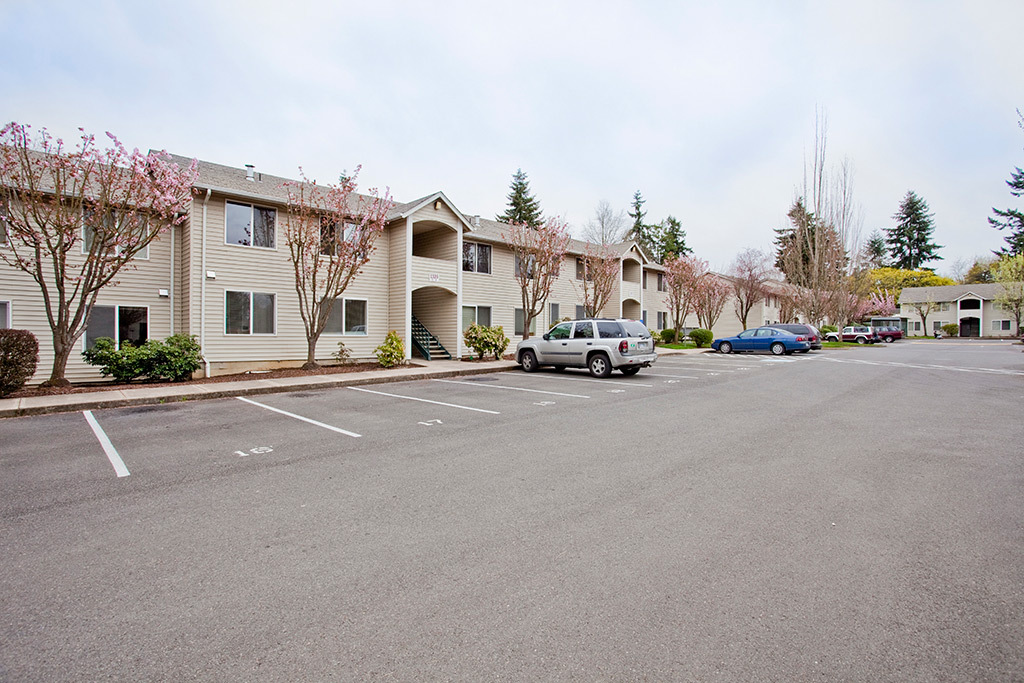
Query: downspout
{"type": "Point", "coordinates": [170, 298]}
{"type": "Point", "coordinates": [202, 293]}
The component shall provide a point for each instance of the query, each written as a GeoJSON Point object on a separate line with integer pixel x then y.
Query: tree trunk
{"type": "Point", "coordinates": [61, 353]}
{"type": "Point", "coordinates": [311, 363]}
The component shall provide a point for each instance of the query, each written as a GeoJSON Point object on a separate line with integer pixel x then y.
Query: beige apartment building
{"type": "Point", "coordinates": [972, 307]}
{"type": "Point", "coordinates": [226, 277]}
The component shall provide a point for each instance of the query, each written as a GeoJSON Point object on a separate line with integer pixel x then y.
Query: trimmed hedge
{"type": "Point", "coordinates": [668, 335]}
{"type": "Point", "coordinates": [951, 330]}
{"type": "Point", "coordinates": [19, 356]}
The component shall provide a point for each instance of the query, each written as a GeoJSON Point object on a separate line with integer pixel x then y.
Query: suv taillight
{"type": "Point", "coordinates": [623, 346]}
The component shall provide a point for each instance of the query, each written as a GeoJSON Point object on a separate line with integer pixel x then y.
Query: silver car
{"type": "Point", "coordinates": [599, 344]}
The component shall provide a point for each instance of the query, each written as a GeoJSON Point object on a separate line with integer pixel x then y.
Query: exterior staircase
{"type": "Point", "coordinates": [427, 344]}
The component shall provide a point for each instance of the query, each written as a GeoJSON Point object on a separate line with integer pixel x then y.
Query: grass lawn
{"type": "Point", "coordinates": [680, 345]}
{"type": "Point", "coordinates": [845, 345]}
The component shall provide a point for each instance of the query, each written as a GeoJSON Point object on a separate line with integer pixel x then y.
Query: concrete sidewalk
{"type": "Point", "coordinates": [169, 393]}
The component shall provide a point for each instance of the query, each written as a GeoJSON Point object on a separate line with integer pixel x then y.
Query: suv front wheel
{"type": "Point", "coordinates": [528, 360]}
{"type": "Point", "coordinates": [599, 365]}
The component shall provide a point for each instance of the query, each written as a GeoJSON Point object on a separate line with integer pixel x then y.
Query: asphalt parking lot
{"type": "Point", "coordinates": [841, 515]}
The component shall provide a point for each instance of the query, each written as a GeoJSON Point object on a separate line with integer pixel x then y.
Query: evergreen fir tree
{"type": "Point", "coordinates": [643, 234]}
{"type": "Point", "coordinates": [910, 240]}
{"type": "Point", "coordinates": [875, 253]}
{"type": "Point", "coordinates": [523, 207]}
{"type": "Point", "coordinates": [672, 239]}
{"type": "Point", "coordinates": [1013, 219]}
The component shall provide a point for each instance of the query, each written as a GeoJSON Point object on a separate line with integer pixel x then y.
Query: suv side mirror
{"type": "Point", "coordinates": [547, 336]}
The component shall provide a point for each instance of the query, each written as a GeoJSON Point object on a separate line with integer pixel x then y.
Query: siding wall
{"type": "Point", "coordinates": [137, 286]}
{"type": "Point", "coordinates": [397, 285]}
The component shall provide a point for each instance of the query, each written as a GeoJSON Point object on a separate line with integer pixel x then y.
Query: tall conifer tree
{"type": "Point", "coordinates": [910, 240]}
{"type": "Point", "coordinates": [523, 207]}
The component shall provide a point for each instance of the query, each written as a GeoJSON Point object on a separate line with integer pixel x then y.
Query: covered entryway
{"type": "Point", "coordinates": [435, 323]}
{"type": "Point", "coordinates": [631, 309]}
{"type": "Point", "coordinates": [970, 327]}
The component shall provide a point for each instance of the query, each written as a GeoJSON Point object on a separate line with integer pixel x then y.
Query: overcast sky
{"type": "Point", "coordinates": [707, 108]}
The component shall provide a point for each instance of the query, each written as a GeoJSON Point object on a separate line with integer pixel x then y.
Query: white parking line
{"type": "Point", "coordinates": [654, 374]}
{"type": "Point", "coordinates": [425, 400]}
{"type": "Point", "coordinates": [620, 382]}
{"type": "Point", "coordinates": [498, 386]}
{"type": "Point", "coordinates": [108, 447]}
{"type": "Point", "coordinates": [706, 368]}
{"type": "Point", "coordinates": [299, 417]}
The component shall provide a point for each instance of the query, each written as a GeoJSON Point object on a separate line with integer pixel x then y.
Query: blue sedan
{"type": "Point", "coordinates": [773, 340]}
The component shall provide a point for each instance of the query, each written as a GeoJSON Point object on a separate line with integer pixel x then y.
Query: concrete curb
{"type": "Point", "coordinates": [68, 403]}
{"type": "Point", "coordinates": [158, 394]}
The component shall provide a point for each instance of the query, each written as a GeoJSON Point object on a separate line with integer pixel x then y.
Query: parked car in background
{"type": "Point", "coordinates": [860, 334]}
{"type": "Point", "coordinates": [770, 339]}
{"type": "Point", "coordinates": [600, 345]}
{"type": "Point", "coordinates": [889, 334]}
{"type": "Point", "coordinates": [809, 331]}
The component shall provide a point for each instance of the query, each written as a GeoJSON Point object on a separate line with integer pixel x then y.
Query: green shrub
{"type": "Point", "coordinates": [668, 335]}
{"type": "Point", "coordinates": [174, 359]}
{"type": "Point", "coordinates": [392, 351]}
{"type": "Point", "coordinates": [701, 337]}
{"type": "Point", "coordinates": [123, 365]}
{"type": "Point", "coordinates": [486, 340]}
{"type": "Point", "coordinates": [825, 329]}
{"type": "Point", "coordinates": [951, 330]}
{"type": "Point", "coordinates": [19, 356]}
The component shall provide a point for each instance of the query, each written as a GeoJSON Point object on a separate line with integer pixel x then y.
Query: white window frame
{"type": "Point", "coordinates": [533, 323]}
{"type": "Point", "coordinates": [1008, 328]}
{"type": "Point", "coordinates": [344, 318]}
{"type": "Point", "coordinates": [250, 333]}
{"type": "Point", "coordinates": [252, 221]}
{"type": "Point", "coordinates": [5, 215]}
{"type": "Point", "coordinates": [5, 321]}
{"type": "Point", "coordinates": [662, 320]}
{"type": "Point", "coordinates": [476, 258]}
{"type": "Point", "coordinates": [117, 327]}
{"type": "Point", "coordinates": [142, 255]}
{"type": "Point", "coordinates": [476, 314]}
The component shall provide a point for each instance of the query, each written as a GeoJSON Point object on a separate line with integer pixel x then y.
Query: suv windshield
{"type": "Point", "coordinates": [635, 328]}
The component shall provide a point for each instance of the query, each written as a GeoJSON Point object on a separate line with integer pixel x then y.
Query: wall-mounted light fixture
{"type": "Point", "coordinates": [163, 292]}
{"type": "Point", "coordinates": [437, 205]}
{"type": "Point", "coordinates": [211, 275]}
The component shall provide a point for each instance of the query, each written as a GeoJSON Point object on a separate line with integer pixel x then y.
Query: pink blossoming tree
{"type": "Point", "coordinates": [76, 217]}
{"type": "Point", "coordinates": [709, 299]}
{"type": "Point", "coordinates": [682, 278]}
{"type": "Point", "coordinates": [601, 266]}
{"type": "Point", "coordinates": [330, 233]}
{"type": "Point", "coordinates": [538, 254]}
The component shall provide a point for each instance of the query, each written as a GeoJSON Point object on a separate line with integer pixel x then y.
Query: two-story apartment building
{"type": "Point", "coordinates": [972, 307]}
{"type": "Point", "coordinates": [225, 276]}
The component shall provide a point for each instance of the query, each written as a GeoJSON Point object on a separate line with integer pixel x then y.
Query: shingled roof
{"type": "Point", "coordinates": [913, 295]}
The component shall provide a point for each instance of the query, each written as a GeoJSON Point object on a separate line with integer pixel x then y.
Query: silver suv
{"type": "Point", "coordinates": [599, 344]}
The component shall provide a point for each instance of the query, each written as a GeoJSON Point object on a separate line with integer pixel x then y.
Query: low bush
{"type": "Point", "coordinates": [486, 340]}
{"type": "Point", "coordinates": [19, 356]}
{"type": "Point", "coordinates": [668, 335]}
{"type": "Point", "coordinates": [701, 337]}
{"type": "Point", "coordinates": [174, 359]}
{"type": "Point", "coordinates": [825, 329]}
{"type": "Point", "coordinates": [342, 355]}
{"type": "Point", "coordinates": [391, 352]}
{"type": "Point", "coordinates": [951, 330]}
